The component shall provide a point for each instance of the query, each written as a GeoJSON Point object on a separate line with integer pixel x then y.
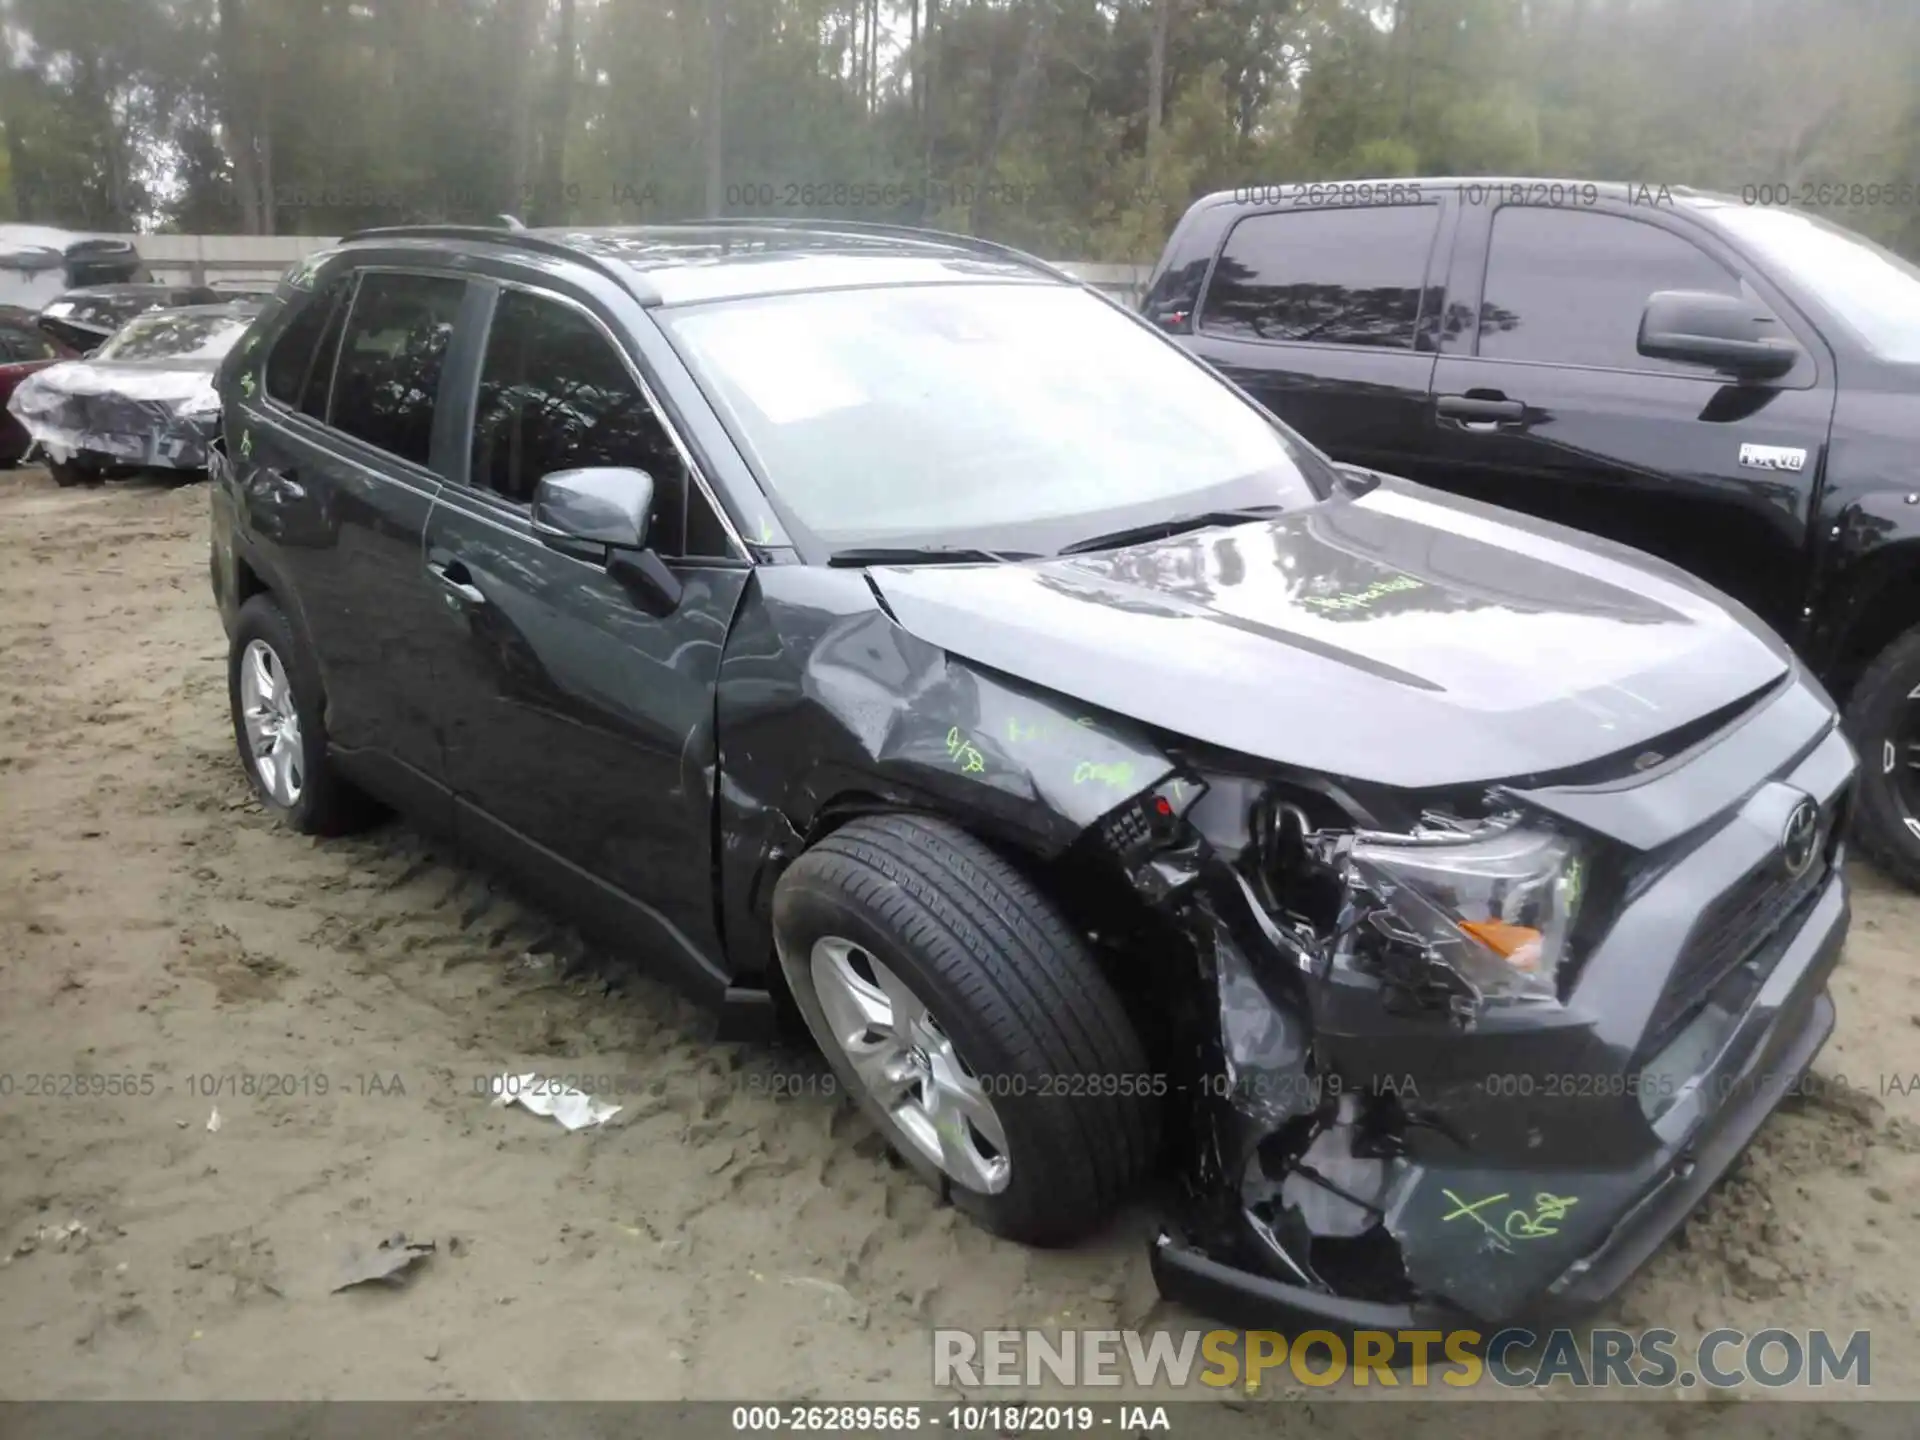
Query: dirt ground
{"type": "Point", "coordinates": [715, 1239]}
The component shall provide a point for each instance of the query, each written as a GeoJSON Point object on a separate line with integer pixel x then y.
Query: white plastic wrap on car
{"type": "Point", "coordinates": [143, 417]}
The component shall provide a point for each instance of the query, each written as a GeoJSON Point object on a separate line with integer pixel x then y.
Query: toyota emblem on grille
{"type": "Point", "coordinates": [1800, 838]}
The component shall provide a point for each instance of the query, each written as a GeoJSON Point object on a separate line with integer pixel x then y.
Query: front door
{"type": "Point", "coordinates": [1550, 408]}
{"type": "Point", "coordinates": [580, 726]}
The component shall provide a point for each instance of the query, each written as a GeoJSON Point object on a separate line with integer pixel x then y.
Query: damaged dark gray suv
{"type": "Point", "coordinates": [877, 627]}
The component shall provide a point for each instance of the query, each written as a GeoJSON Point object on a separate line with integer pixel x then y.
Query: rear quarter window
{"type": "Point", "coordinates": [300, 364]}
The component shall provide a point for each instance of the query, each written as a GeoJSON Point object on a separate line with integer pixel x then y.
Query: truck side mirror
{"type": "Point", "coordinates": [1700, 327]}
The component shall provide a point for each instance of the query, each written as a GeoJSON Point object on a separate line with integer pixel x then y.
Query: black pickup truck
{"type": "Point", "coordinates": [1732, 387]}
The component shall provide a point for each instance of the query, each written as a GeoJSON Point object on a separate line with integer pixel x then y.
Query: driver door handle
{"type": "Point", "coordinates": [1483, 410]}
{"type": "Point", "coordinates": [457, 580]}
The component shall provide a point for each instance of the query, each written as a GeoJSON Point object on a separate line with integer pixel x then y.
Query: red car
{"type": "Point", "coordinates": [24, 348]}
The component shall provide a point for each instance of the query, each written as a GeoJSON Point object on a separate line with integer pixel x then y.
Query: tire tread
{"type": "Point", "coordinates": [1016, 963]}
{"type": "Point", "coordinates": [1879, 831]}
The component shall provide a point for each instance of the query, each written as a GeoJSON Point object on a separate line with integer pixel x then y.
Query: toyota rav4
{"type": "Point", "coordinates": [876, 626]}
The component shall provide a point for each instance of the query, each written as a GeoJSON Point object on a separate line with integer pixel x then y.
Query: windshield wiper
{"type": "Point", "coordinates": [1178, 525]}
{"type": "Point", "coordinates": [924, 555]}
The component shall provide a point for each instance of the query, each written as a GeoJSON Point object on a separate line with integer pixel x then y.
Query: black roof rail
{"type": "Point", "coordinates": [522, 239]}
{"type": "Point", "coordinates": [546, 244]}
{"type": "Point", "coordinates": [882, 229]}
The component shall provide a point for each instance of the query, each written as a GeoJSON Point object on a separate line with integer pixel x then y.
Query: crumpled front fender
{"type": "Point", "coordinates": [826, 707]}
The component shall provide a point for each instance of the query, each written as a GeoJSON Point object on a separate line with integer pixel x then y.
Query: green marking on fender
{"type": "Point", "coordinates": [1119, 774]}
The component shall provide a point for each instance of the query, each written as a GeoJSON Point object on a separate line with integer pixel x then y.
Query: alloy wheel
{"type": "Point", "coordinates": [273, 724]}
{"type": "Point", "coordinates": [934, 1101]}
{"type": "Point", "coordinates": [1900, 759]}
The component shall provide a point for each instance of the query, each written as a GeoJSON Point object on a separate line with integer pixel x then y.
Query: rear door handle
{"type": "Point", "coordinates": [1479, 412]}
{"type": "Point", "coordinates": [457, 580]}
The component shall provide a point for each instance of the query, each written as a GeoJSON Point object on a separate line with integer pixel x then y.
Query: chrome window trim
{"type": "Point", "coordinates": [694, 473]}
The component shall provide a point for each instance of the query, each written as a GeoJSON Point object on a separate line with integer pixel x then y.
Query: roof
{"type": "Point", "coordinates": [49, 237]}
{"type": "Point", "coordinates": [1383, 189]}
{"type": "Point", "coordinates": [728, 259]}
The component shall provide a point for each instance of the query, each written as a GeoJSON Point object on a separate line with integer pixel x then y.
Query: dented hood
{"type": "Point", "coordinates": [1404, 637]}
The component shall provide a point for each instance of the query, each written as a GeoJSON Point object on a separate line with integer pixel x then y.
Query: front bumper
{"type": "Point", "coordinates": [1527, 1198]}
{"type": "Point", "coordinates": [1784, 1031]}
{"type": "Point", "coordinates": [181, 447]}
{"type": "Point", "coordinates": [114, 431]}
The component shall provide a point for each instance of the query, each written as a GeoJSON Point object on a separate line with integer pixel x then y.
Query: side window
{"type": "Point", "coordinates": [295, 360]}
{"type": "Point", "coordinates": [319, 385]}
{"type": "Point", "coordinates": [388, 374]}
{"type": "Point", "coordinates": [22, 344]}
{"type": "Point", "coordinates": [556, 395]}
{"type": "Point", "coordinates": [1336, 277]}
{"type": "Point", "coordinates": [1567, 287]}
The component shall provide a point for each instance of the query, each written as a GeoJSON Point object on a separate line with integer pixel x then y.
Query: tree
{"type": "Point", "coordinates": [1080, 127]}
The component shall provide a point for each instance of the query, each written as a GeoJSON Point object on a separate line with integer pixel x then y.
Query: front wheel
{"type": "Point", "coordinates": [970, 1022]}
{"type": "Point", "coordinates": [1883, 717]}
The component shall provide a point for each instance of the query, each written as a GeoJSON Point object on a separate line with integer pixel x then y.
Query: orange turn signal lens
{"type": "Point", "coordinates": [1518, 945]}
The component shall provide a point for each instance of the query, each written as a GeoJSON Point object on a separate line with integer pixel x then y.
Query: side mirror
{"type": "Point", "coordinates": [603, 505]}
{"type": "Point", "coordinates": [607, 508]}
{"type": "Point", "coordinates": [1699, 327]}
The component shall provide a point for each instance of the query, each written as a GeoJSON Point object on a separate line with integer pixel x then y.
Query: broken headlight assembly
{"type": "Point", "coordinates": [1471, 915]}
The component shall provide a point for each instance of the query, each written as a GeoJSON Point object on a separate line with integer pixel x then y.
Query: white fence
{"type": "Point", "coordinates": [211, 259]}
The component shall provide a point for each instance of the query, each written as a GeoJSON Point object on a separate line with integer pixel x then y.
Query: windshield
{"type": "Point", "coordinates": [1020, 415]}
{"type": "Point", "coordinates": [173, 336]}
{"type": "Point", "coordinates": [1872, 291]}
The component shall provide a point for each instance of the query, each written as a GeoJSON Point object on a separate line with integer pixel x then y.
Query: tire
{"type": "Point", "coordinates": [66, 474]}
{"type": "Point", "coordinates": [319, 801]}
{"type": "Point", "coordinates": [1013, 997]}
{"type": "Point", "coordinates": [1882, 715]}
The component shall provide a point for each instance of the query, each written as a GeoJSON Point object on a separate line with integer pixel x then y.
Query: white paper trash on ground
{"type": "Point", "coordinates": [574, 1109]}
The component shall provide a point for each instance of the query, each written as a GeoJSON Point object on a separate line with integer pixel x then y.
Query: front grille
{"type": "Point", "coordinates": [116, 415]}
{"type": "Point", "coordinates": [1729, 931]}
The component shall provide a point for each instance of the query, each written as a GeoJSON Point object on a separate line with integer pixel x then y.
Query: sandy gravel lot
{"type": "Point", "coordinates": [715, 1239]}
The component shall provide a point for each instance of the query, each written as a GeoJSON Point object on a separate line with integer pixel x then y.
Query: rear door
{"type": "Point", "coordinates": [1329, 316]}
{"type": "Point", "coordinates": [1544, 404]}
{"type": "Point", "coordinates": [581, 737]}
{"type": "Point", "coordinates": [337, 488]}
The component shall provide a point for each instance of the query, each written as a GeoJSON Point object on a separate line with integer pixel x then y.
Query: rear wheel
{"type": "Point", "coordinates": [1883, 717]}
{"type": "Point", "coordinates": [970, 1023]}
{"type": "Point", "coordinates": [279, 725]}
